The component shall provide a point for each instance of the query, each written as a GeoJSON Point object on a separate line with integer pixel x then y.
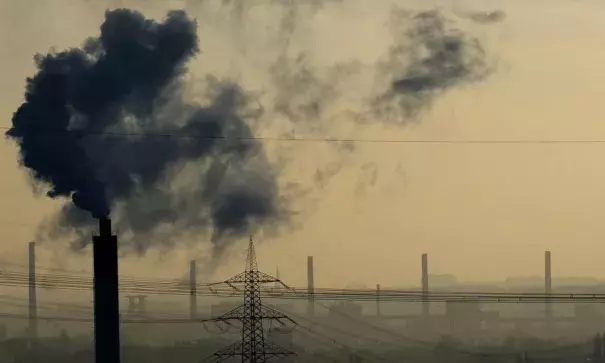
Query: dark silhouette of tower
{"type": "Point", "coordinates": [33, 304]}
{"type": "Point", "coordinates": [547, 285]}
{"type": "Point", "coordinates": [252, 348]}
{"type": "Point", "coordinates": [192, 290]}
{"type": "Point", "coordinates": [378, 312]}
{"type": "Point", "coordinates": [106, 304]}
{"type": "Point", "coordinates": [310, 287]}
{"type": "Point", "coordinates": [425, 285]}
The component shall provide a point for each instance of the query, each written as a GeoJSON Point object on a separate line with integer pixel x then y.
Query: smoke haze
{"type": "Point", "coordinates": [79, 130]}
{"type": "Point", "coordinates": [106, 125]}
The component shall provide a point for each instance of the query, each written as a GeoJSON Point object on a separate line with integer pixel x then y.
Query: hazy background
{"type": "Point", "coordinates": [482, 212]}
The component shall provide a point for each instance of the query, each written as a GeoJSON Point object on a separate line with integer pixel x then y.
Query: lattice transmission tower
{"type": "Point", "coordinates": [252, 348]}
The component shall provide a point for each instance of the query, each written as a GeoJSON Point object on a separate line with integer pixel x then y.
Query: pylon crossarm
{"type": "Point", "coordinates": [240, 278]}
{"type": "Point", "coordinates": [285, 286]}
{"type": "Point", "coordinates": [273, 314]}
{"type": "Point", "coordinates": [256, 276]}
{"type": "Point", "coordinates": [235, 289]}
{"type": "Point", "coordinates": [276, 315]}
{"type": "Point", "coordinates": [236, 314]}
{"type": "Point", "coordinates": [263, 278]}
{"type": "Point", "coordinates": [226, 329]}
{"type": "Point", "coordinates": [216, 292]}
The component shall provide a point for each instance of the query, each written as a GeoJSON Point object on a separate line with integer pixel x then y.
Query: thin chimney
{"type": "Point", "coordinates": [425, 285]}
{"type": "Point", "coordinates": [277, 285]}
{"type": "Point", "coordinates": [310, 287]}
{"type": "Point", "coordinates": [33, 304]}
{"type": "Point", "coordinates": [547, 284]}
{"type": "Point", "coordinates": [192, 290]}
{"type": "Point", "coordinates": [378, 313]}
{"type": "Point", "coordinates": [106, 304]}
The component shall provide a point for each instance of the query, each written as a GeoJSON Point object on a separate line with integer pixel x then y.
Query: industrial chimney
{"type": "Point", "coordinates": [547, 285]}
{"type": "Point", "coordinates": [310, 287]}
{"type": "Point", "coordinates": [192, 290]}
{"type": "Point", "coordinates": [378, 312]}
{"type": "Point", "coordinates": [33, 305]}
{"type": "Point", "coordinates": [106, 304]}
{"type": "Point", "coordinates": [425, 285]}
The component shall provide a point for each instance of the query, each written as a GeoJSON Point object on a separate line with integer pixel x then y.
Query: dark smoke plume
{"type": "Point", "coordinates": [107, 126]}
{"type": "Point", "coordinates": [303, 92]}
{"type": "Point", "coordinates": [485, 17]}
{"type": "Point", "coordinates": [428, 59]}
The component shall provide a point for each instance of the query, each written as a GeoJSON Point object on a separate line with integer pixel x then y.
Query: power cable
{"type": "Point", "coordinates": [168, 287]}
{"type": "Point", "coordinates": [300, 318]}
{"type": "Point", "coordinates": [322, 140]}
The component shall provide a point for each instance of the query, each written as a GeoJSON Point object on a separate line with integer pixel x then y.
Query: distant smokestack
{"type": "Point", "coordinates": [378, 299]}
{"type": "Point", "coordinates": [192, 290]}
{"type": "Point", "coordinates": [547, 284]}
{"type": "Point", "coordinates": [33, 305]}
{"type": "Point", "coordinates": [425, 285]}
{"type": "Point", "coordinates": [310, 287]}
{"type": "Point", "coordinates": [106, 304]}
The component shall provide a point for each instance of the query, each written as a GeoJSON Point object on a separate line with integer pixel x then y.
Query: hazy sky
{"type": "Point", "coordinates": [482, 212]}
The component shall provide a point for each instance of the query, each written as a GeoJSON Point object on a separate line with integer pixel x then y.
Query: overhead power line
{"type": "Point", "coordinates": [325, 139]}
{"type": "Point", "coordinates": [181, 287]}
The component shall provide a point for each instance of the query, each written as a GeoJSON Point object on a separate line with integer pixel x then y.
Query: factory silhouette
{"type": "Point", "coordinates": [440, 315]}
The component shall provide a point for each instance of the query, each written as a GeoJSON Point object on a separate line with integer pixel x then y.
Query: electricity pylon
{"type": "Point", "coordinates": [252, 348]}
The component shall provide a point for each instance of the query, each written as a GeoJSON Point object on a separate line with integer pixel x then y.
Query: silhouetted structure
{"type": "Point", "coordinates": [192, 290]}
{"type": "Point", "coordinates": [425, 285]}
{"type": "Point", "coordinates": [277, 285]}
{"type": "Point", "coordinates": [310, 287]}
{"type": "Point", "coordinates": [378, 300]}
{"type": "Point", "coordinates": [106, 303]}
{"type": "Point", "coordinates": [547, 285]}
{"type": "Point", "coordinates": [33, 304]}
{"type": "Point", "coordinates": [253, 348]}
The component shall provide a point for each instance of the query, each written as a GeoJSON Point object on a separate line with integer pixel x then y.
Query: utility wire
{"type": "Point", "coordinates": [322, 139]}
{"type": "Point", "coordinates": [159, 287]}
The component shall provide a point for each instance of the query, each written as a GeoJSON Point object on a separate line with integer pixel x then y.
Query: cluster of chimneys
{"type": "Point", "coordinates": [425, 285]}
{"type": "Point", "coordinates": [106, 299]}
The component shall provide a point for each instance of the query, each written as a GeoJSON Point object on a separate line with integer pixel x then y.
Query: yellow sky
{"type": "Point", "coordinates": [482, 212]}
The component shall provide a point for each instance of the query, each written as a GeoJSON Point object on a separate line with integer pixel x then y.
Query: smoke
{"type": "Point", "coordinates": [485, 17]}
{"type": "Point", "coordinates": [303, 92]}
{"type": "Point", "coordinates": [111, 125]}
{"type": "Point", "coordinates": [428, 58]}
{"type": "Point", "coordinates": [108, 126]}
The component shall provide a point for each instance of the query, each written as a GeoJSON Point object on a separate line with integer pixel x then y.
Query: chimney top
{"type": "Point", "coordinates": [104, 227]}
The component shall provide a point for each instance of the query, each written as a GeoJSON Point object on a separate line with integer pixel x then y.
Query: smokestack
{"type": "Point", "coordinates": [425, 285]}
{"type": "Point", "coordinates": [106, 304]}
{"type": "Point", "coordinates": [378, 299]}
{"type": "Point", "coordinates": [547, 284]}
{"type": "Point", "coordinates": [192, 290]}
{"type": "Point", "coordinates": [310, 287]}
{"type": "Point", "coordinates": [33, 305]}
